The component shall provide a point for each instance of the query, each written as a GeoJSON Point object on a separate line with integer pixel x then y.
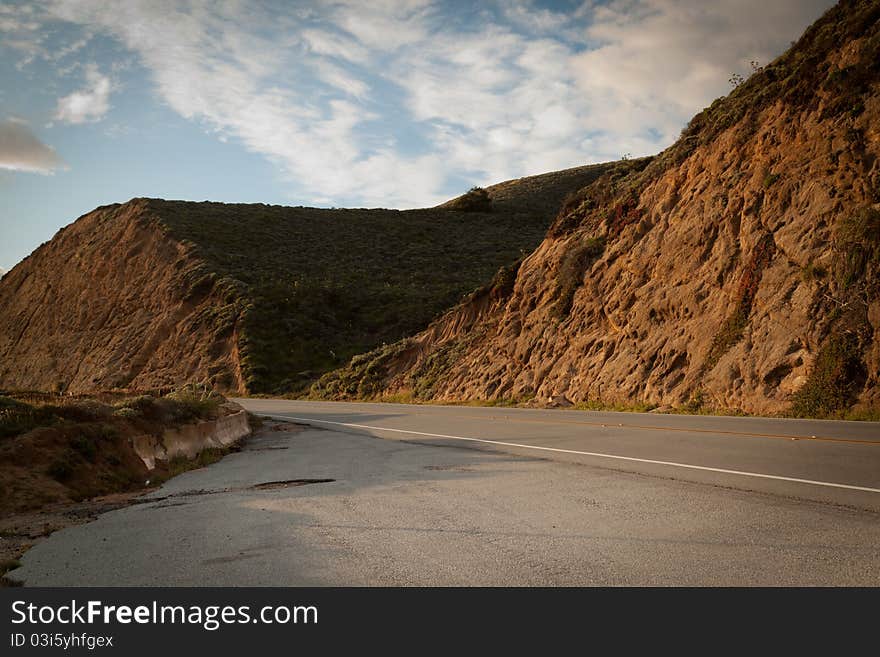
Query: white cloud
{"type": "Point", "coordinates": [219, 67]}
{"type": "Point", "coordinates": [336, 77]}
{"type": "Point", "coordinates": [524, 14]}
{"type": "Point", "coordinates": [334, 45]}
{"type": "Point", "coordinates": [384, 25]}
{"type": "Point", "coordinates": [20, 150]}
{"type": "Point", "coordinates": [88, 104]}
{"type": "Point", "coordinates": [661, 61]}
{"type": "Point", "coordinates": [334, 92]}
{"type": "Point", "coordinates": [21, 30]}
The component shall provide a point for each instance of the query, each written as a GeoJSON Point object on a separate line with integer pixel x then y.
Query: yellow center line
{"type": "Point", "coordinates": [778, 436]}
{"type": "Point", "coordinates": [648, 427]}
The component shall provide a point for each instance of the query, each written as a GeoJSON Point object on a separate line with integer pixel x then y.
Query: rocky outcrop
{"type": "Point", "coordinates": [739, 269]}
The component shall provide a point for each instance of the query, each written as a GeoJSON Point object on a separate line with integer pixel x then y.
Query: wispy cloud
{"type": "Point", "coordinates": [88, 104]}
{"type": "Point", "coordinates": [386, 102]}
{"type": "Point", "coordinates": [21, 150]}
{"type": "Point", "coordinates": [22, 29]}
{"type": "Point", "coordinates": [526, 15]}
{"type": "Point", "coordinates": [334, 45]}
{"type": "Point", "coordinates": [658, 62]}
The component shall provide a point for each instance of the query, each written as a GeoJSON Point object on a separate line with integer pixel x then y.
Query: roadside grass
{"type": "Point", "coordinates": [23, 411]}
{"type": "Point", "coordinates": [180, 464]}
{"type": "Point", "coordinates": [862, 415]}
{"type": "Point", "coordinates": [9, 564]}
{"type": "Point", "coordinates": [57, 449]}
{"type": "Point", "coordinates": [596, 405]}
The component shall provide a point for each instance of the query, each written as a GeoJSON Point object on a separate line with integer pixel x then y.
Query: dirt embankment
{"type": "Point", "coordinates": [113, 302]}
{"type": "Point", "coordinates": [737, 270]}
{"type": "Point", "coordinates": [61, 449]}
{"type": "Point", "coordinates": [63, 460]}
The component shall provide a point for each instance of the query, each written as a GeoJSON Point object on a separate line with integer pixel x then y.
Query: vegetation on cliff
{"type": "Point", "coordinates": [319, 286]}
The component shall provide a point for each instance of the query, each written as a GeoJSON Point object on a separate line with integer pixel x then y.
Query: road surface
{"type": "Point", "coordinates": [831, 461]}
{"type": "Point", "coordinates": [429, 495]}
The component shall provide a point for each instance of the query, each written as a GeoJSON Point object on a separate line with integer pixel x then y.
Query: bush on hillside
{"type": "Point", "coordinates": [476, 199]}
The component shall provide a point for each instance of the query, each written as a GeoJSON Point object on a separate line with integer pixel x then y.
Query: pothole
{"type": "Point", "coordinates": [288, 483]}
{"type": "Point", "coordinates": [167, 505]}
{"type": "Point", "coordinates": [268, 485]}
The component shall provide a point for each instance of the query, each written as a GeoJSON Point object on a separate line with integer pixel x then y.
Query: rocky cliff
{"type": "Point", "coordinates": [113, 302]}
{"type": "Point", "coordinates": [739, 269]}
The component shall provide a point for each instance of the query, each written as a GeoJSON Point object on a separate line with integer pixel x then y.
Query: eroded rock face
{"type": "Point", "coordinates": [113, 302]}
{"type": "Point", "coordinates": [717, 274]}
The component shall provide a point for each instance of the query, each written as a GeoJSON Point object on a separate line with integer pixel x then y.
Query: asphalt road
{"type": "Point", "coordinates": [416, 509]}
{"type": "Point", "coordinates": [830, 461]}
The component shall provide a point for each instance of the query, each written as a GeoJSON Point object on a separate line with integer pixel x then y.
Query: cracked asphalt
{"type": "Point", "coordinates": [407, 513]}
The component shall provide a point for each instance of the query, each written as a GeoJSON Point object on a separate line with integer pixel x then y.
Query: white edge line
{"type": "Point", "coordinates": [574, 451]}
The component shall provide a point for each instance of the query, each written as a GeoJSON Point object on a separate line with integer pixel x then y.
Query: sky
{"type": "Point", "coordinates": [387, 103]}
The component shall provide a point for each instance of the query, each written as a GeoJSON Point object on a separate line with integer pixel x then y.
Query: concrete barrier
{"type": "Point", "coordinates": [190, 439]}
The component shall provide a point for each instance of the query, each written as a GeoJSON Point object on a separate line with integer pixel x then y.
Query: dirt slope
{"type": "Point", "coordinates": [251, 298]}
{"type": "Point", "coordinates": [109, 302]}
{"type": "Point", "coordinates": [739, 269]}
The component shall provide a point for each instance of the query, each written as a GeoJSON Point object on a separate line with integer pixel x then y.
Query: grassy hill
{"type": "Point", "coordinates": [324, 285]}
{"type": "Point", "coordinates": [251, 298]}
{"type": "Point", "coordinates": [541, 194]}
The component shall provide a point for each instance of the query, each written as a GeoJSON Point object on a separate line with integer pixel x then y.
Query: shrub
{"type": "Point", "coordinates": [84, 410]}
{"type": "Point", "coordinates": [193, 402]}
{"type": "Point", "coordinates": [857, 249]}
{"type": "Point", "coordinates": [425, 378]}
{"type": "Point", "coordinates": [85, 447]}
{"type": "Point", "coordinates": [476, 199]}
{"type": "Point", "coordinates": [500, 287]}
{"type": "Point", "coordinates": [142, 404]}
{"type": "Point", "coordinates": [839, 372]}
{"type": "Point", "coordinates": [17, 417]}
{"type": "Point", "coordinates": [837, 376]}
{"type": "Point", "coordinates": [813, 272]}
{"type": "Point", "coordinates": [769, 179]}
{"type": "Point", "coordinates": [571, 272]}
{"type": "Point", "coordinates": [731, 330]}
{"type": "Point", "coordinates": [62, 468]}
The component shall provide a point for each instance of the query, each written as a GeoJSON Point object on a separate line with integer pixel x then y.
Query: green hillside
{"type": "Point", "coordinates": [317, 286]}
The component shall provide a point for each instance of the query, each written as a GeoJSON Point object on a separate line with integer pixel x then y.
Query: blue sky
{"type": "Point", "coordinates": [388, 103]}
